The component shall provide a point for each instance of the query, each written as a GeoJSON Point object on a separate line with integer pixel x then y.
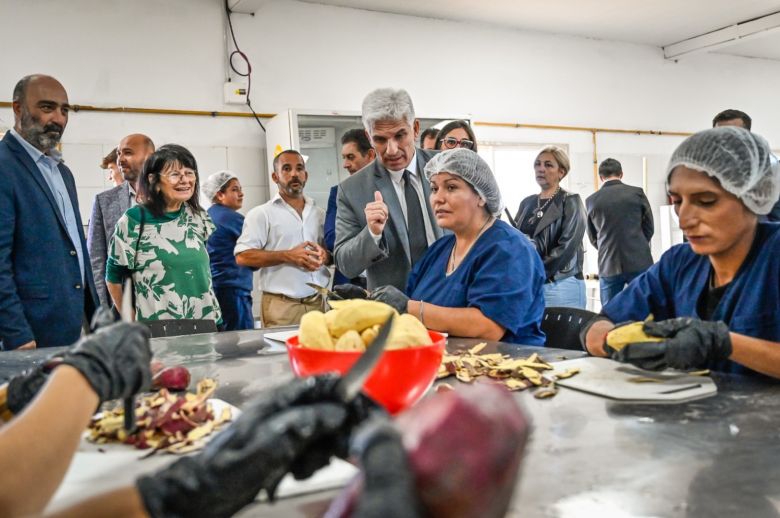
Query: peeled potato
{"type": "Point", "coordinates": [631, 333]}
{"type": "Point", "coordinates": [407, 331]}
{"type": "Point", "coordinates": [330, 317]}
{"type": "Point", "coordinates": [314, 331]}
{"type": "Point", "coordinates": [369, 334]}
{"type": "Point", "coordinates": [357, 315]}
{"type": "Point", "coordinates": [350, 341]}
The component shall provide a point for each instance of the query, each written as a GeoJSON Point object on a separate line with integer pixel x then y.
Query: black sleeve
{"type": "Point", "coordinates": [647, 217]}
{"type": "Point", "coordinates": [572, 233]}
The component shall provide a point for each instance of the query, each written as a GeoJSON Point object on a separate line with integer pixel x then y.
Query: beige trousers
{"type": "Point", "coordinates": [280, 310]}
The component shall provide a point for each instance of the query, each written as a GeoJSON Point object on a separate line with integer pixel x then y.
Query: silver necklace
{"type": "Point", "coordinates": [451, 263]}
{"type": "Point", "coordinates": [540, 208]}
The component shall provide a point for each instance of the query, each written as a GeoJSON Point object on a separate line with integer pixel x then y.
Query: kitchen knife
{"type": "Point", "coordinates": [325, 292]}
{"type": "Point", "coordinates": [350, 385]}
{"type": "Point", "coordinates": [127, 316]}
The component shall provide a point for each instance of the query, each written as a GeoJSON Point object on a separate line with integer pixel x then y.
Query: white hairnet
{"type": "Point", "coordinates": [740, 160]}
{"type": "Point", "coordinates": [215, 182]}
{"type": "Point", "coordinates": [468, 165]}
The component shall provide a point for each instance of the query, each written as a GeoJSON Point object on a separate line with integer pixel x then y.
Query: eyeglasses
{"type": "Point", "coordinates": [178, 176]}
{"type": "Point", "coordinates": [452, 143]}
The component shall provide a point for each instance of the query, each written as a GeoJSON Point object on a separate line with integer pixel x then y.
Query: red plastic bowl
{"type": "Point", "coordinates": [398, 381]}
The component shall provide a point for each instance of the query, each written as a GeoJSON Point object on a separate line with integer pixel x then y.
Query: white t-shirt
{"type": "Point", "coordinates": [275, 225]}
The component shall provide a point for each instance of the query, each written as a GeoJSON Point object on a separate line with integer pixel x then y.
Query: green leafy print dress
{"type": "Point", "coordinates": [169, 263]}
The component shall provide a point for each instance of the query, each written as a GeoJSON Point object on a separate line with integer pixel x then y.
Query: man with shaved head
{"type": "Point", "coordinates": [109, 206]}
{"type": "Point", "coordinates": [46, 286]}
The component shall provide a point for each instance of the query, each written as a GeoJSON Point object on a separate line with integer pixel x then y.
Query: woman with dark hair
{"type": "Point", "coordinates": [161, 243]}
{"type": "Point", "coordinates": [456, 134]}
{"type": "Point", "coordinates": [555, 220]}
{"type": "Point", "coordinates": [483, 280]}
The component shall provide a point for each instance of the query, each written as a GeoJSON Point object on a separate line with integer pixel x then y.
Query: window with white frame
{"type": "Point", "coordinates": [513, 166]}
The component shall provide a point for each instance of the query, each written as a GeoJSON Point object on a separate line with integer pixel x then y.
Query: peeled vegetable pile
{"type": "Point", "coordinates": [514, 373]}
{"type": "Point", "coordinates": [166, 422]}
{"type": "Point", "coordinates": [353, 324]}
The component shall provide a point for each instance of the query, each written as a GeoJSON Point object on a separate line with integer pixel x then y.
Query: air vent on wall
{"type": "Point", "coordinates": [317, 137]}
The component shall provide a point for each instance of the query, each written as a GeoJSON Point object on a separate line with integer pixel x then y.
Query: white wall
{"type": "Point", "coordinates": [171, 54]}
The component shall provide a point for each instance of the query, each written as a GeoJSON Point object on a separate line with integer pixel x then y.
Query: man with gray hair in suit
{"type": "Point", "coordinates": [109, 206]}
{"type": "Point", "coordinates": [384, 221]}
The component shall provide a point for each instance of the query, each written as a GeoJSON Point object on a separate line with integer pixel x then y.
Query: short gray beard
{"type": "Point", "coordinates": [33, 132]}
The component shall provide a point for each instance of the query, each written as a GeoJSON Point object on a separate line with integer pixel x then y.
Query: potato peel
{"type": "Point", "coordinates": [514, 373]}
{"type": "Point", "coordinates": [165, 422]}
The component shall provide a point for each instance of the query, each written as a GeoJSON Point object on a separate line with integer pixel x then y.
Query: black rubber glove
{"type": "Point", "coordinates": [690, 344]}
{"type": "Point", "coordinates": [114, 360]}
{"type": "Point", "coordinates": [103, 317]}
{"type": "Point", "coordinates": [350, 291]}
{"type": "Point", "coordinates": [23, 388]}
{"type": "Point", "coordinates": [296, 428]}
{"type": "Point", "coordinates": [391, 296]}
{"type": "Point", "coordinates": [388, 482]}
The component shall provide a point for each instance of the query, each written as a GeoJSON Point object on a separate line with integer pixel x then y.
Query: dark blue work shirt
{"type": "Point", "coordinates": [225, 272]}
{"type": "Point", "coordinates": [502, 276]}
{"type": "Point", "coordinates": [671, 288]}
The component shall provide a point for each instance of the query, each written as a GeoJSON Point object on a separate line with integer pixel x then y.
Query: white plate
{"type": "Point", "coordinates": [97, 468]}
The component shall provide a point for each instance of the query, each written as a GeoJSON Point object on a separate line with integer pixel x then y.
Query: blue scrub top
{"type": "Point", "coordinates": [502, 276]}
{"type": "Point", "coordinates": [672, 287]}
{"type": "Point", "coordinates": [225, 272]}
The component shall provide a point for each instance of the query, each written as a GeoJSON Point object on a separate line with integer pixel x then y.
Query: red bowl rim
{"type": "Point", "coordinates": [439, 340]}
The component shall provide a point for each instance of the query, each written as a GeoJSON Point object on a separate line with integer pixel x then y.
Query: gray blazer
{"type": "Point", "coordinates": [620, 225]}
{"type": "Point", "coordinates": [355, 250]}
{"type": "Point", "coordinates": [108, 208]}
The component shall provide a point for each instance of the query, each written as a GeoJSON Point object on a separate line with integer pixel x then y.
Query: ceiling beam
{"type": "Point", "coordinates": [755, 28]}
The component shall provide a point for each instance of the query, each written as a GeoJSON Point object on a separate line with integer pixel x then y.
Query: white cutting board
{"type": "Point", "coordinates": [611, 379]}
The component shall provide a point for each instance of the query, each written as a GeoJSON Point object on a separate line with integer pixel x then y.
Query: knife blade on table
{"type": "Point", "coordinates": [127, 316]}
{"type": "Point", "coordinates": [350, 385]}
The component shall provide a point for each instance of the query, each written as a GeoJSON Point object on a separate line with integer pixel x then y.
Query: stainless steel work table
{"type": "Point", "coordinates": [588, 456]}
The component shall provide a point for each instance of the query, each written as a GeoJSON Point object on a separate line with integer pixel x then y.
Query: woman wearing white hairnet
{"type": "Point", "coordinates": [717, 297]}
{"type": "Point", "coordinates": [485, 280]}
{"type": "Point", "coordinates": [232, 283]}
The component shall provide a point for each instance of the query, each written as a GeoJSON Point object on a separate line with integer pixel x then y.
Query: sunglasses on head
{"type": "Point", "coordinates": [452, 143]}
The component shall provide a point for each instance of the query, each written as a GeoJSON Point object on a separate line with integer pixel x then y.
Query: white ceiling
{"type": "Point", "coordinates": [656, 22]}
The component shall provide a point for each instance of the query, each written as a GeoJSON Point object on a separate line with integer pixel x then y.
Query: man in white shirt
{"type": "Point", "coordinates": [283, 238]}
{"type": "Point", "coordinates": [384, 222]}
{"type": "Point", "coordinates": [109, 206]}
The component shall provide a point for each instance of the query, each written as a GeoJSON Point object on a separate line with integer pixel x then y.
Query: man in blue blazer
{"type": "Point", "coordinates": [46, 287]}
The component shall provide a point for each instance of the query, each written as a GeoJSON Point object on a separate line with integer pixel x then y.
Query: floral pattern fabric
{"type": "Point", "coordinates": [169, 263]}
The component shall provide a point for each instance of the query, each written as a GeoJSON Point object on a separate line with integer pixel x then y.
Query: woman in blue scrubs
{"type": "Point", "coordinates": [232, 283]}
{"type": "Point", "coordinates": [485, 279]}
{"type": "Point", "coordinates": [716, 298]}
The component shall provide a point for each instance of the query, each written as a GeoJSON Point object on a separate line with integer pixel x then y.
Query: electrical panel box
{"type": "Point", "coordinates": [235, 92]}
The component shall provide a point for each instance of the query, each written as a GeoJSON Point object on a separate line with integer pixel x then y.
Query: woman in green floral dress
{"type": "Point", "coordinates": [161, 243]}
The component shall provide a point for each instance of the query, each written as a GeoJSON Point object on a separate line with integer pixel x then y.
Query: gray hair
{"type": "Point", "coordinates": [387, 104]}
